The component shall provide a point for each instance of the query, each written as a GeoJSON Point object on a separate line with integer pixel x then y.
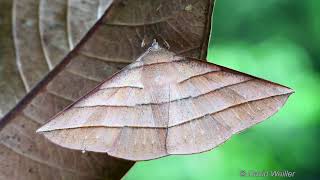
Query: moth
{"type": "Point", "coordinates": [164, 104]}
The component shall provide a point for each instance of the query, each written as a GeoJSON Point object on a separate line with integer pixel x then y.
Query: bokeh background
{"type": "Point", "coordinates": [278, 40]}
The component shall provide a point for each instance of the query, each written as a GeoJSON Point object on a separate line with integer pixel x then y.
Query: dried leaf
{"type": "Point", "coordinates": [165, 104]}
{"type": "Point", "coordinates": [35, 36]}
{"type": "Point", "coordinates": [108, 47]}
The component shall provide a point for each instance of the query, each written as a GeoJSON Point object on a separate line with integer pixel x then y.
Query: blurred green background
{"type": "Point", "coordinates": [277, 40]}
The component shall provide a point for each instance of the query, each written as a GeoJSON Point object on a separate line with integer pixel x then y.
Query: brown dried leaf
{"type": "Point", "coordinates": [108, 47]}
{"type": "Point", "coordinates": [164, 104]}
{"type": "Point", "coordinates": [35, 36]}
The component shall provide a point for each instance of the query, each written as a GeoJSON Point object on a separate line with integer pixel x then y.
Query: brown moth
{"type": "Point", "coordinates": [164, 104]}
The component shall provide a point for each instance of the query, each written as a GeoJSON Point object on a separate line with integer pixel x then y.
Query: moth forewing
{"type": "Point", "coordinates": [165, 104]}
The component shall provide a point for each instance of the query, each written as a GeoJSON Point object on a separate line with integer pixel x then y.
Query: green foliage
{"type": "Point", "coordinates": [278, 41]}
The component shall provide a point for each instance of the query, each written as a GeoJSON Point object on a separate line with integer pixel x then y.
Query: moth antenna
{"type": "Point", "coordinates": [166, 44]}
{"type": "Point", "coordinates": [162, 41]}
{"type": "Point", "coordinates": [143, 43]}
